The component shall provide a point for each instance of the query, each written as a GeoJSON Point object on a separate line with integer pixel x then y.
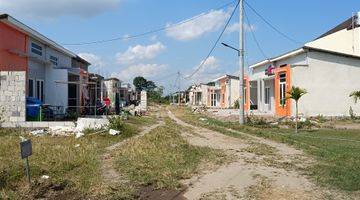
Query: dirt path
{"type": "Point", "coordinates": [261, 169]}
{"type": "Point", "coordinates": [110, 175]}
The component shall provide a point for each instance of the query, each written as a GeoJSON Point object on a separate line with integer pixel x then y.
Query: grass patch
{"type": "Point", "coordinates": [261, 149]}
{"type": "Point", "coordinates": [162, 158]}
{"type": "Point", "coordinates": [72, 162]}
{"type": "Point", "coordinates": [338, 160]}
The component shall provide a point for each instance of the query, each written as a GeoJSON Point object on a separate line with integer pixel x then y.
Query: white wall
{"type": "Point", "coordinates": [329, 79]}
{"type": "Point", "coordinates": [56, 93]}
{"type": "Point", "coordinates": [345, 41]}
{"type": "Point", "coordinates": [258, 74]}
{"type": "Point", "coordinates": [41, 68]}
{"type": "Point", "coordinates": [234, 91]}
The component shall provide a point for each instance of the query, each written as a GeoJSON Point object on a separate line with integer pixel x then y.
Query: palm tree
{"type": "Point", "coordinates": [355, 95]}
{"type": "Point", "coordinates": [296, 93]}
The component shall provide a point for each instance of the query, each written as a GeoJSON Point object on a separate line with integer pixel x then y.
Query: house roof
{"type": "Point", "coordinates": [33, 33]}
{"type": "Point", "coordinates": [347, 24]}
{"type": "Point", "coordinates": [299, 51]}
{"type": "Point", "coordinates": [112, 79]}
{"type": "Point", "coordinates": [80, 59]}
{"type": "Point", "coordinates": [227, 76]}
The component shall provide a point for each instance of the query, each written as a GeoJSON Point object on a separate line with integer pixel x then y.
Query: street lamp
{"type": "Point", "coordinates": [231, 47]}
{"type": "Point", "coordinates": [241, 85]}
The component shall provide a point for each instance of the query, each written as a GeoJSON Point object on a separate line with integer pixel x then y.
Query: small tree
{"type": "Point", "coordinates": [355, 95]}
{"type": "Point", "coordinates": [296, 93]}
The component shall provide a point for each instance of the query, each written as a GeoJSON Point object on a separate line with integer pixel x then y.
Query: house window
{"type": "Point", "coordinates": [54, 60]}
{"type": "Point", "coordinates": [31, 88]}
{"type": "Point", "coordinates": [282, 89]}
{"type": "Point", "coordinates": [267, 95]}
{"type": "Point", "coordinates": [40, 90]}
{"type": "Point", "coordinates": [36, 49]}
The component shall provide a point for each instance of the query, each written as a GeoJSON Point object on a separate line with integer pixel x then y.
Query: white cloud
{"type": "Point", "coordinates": [210, 64]}
{"type": "Point", "coordinates": [96, 61]}
{"type": "Point", "coordinates": [236, 27]}
{"type": "Point", "coordinates": [208, 72]}
{"type": "Point", "coordinates": [145, 70]}
{"type": "Point", "coordinates": [46, 9]}
{"type": "Point", "coordinates": [210, 22]}
{"type": "Point", "coordinates": [140, 52]}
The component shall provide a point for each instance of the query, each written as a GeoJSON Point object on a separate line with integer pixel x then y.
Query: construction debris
{"type": "Point", "coordinates": [114, 132]}
{"type": "Point", "coordinates": [45, 177]}
{"type": "Point", "coordinates": [79, 134]}
{"type": "Point", "coordinates": [61, 130]}
{"type": "Point", "coordinates": [91, 123]}
{"type": "Point", "coordinates": [202, 119]}
{"type": "Point", "coordinates": [39, 132]}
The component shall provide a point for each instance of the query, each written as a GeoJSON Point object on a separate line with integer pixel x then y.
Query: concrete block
{"type": "Point", "coordinates": [15, 114]}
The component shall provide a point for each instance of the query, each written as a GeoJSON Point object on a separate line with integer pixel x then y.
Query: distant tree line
{"type": "Point", "coordinates": [154, 93]}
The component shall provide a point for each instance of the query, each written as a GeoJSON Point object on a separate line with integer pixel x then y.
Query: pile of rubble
{"type": "Point", "coordinates": [199, 109]}
{"type": "Point", "coordinates": [78, 130]}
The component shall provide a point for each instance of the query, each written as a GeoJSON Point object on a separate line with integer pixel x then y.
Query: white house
{"type": "Point", "coordinates": [328, 68]}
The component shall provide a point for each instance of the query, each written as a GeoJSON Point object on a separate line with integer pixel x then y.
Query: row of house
{"type": "Point", "coordinates": [327, 67]}
{"type": "Point", "coordinates": [32, 65]}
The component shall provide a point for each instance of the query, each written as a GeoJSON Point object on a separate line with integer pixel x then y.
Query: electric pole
{"type": "Point", "coordinates": [179, 92]}
{"type": "Point", "coordinates": [241, 64]}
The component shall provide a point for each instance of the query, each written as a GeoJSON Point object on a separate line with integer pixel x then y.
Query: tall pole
{"type": "Point", "coordinates": [179, 93]}
{"type": "Point", "coordinates": [241, 63]}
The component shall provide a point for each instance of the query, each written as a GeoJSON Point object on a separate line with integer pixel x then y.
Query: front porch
{"type": "Point", "coordinates": [262, 96]}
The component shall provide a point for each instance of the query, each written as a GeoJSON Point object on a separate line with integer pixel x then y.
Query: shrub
{"type": "Point", "coordinates": [116, 123]}
{"type": "Point", "coordinates": [351, 113]}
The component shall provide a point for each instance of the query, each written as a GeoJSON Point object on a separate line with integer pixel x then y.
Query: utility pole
{"type": "Point", "coordinates": [179, 93]}
{"type": "Point", "coordinates": [241, 64]}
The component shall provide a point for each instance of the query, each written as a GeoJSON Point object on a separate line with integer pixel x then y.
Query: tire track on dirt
{"type": "Point", "coordinates": [249, 174]}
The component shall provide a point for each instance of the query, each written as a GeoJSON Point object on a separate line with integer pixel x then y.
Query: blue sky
{"type": "Point", "coordinates": [159, 56]}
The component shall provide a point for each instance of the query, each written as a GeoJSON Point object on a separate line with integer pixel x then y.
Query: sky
{"type": "Point", "coordinates": [180, 47]}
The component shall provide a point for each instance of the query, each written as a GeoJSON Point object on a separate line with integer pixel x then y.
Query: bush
{"type": "Point", "coordinates": [116, 123]}
{"type": "Point", "coordinates": [351, 113]}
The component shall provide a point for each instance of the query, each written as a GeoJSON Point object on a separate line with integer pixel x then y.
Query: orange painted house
{"type": "Point", "coordinates": [31, 65]}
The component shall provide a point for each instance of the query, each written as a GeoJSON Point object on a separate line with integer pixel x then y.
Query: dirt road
{"type": "Point", "coordinates": [261, 169]}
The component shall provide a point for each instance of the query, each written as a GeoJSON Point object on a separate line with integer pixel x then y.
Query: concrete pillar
{"type": "Point", "coordinates": [259, 94]}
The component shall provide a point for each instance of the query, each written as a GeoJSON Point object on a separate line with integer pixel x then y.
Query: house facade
{"type": "Point", "coordinates": [112, 91]}
{"type": "Point", "coordinates": [32, 65]}
{"type": "Point", "coordinates": [328, 68]}
{"type": "Point", "coordinates": [222, 92]}
{"type": "Point", "coordinates": [198, 95]}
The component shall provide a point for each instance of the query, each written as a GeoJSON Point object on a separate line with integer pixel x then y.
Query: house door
{"type": "Point", "coordinates": [282, 86]}
{"type": "Point", "coordinates": [40, 90]}
{"type": "Point", "coordinates": [213, 100]}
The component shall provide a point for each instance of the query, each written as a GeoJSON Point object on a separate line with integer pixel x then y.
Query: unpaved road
{"type": "Point", "coordinates": [261, 169]}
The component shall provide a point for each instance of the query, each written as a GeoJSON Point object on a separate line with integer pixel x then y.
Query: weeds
{"type": "Point", "coordinates": [75, 162]}
{"type": "Point", "coordinates": [162, 158]}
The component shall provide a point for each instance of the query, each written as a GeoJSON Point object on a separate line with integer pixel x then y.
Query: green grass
{"type": "Point", "coordinates": [162, 158]}
{"type": "Point", "coordinates": [338, 161]}
{"type": "Point", "coordinates": [69, 161]}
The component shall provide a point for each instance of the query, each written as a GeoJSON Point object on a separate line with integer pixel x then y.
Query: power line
{"type": "Point", "coordinates": [148, 32]}
{"type": "Point", "coordinates": [254, 37]}
{"type": "Point", "coordinates": [216, 42]}
{"type": "Point", "coordinates": [272, 26]}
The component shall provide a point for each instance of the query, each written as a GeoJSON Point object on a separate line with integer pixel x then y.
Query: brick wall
{"type": "Point", "coordinates": [12, 96]}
